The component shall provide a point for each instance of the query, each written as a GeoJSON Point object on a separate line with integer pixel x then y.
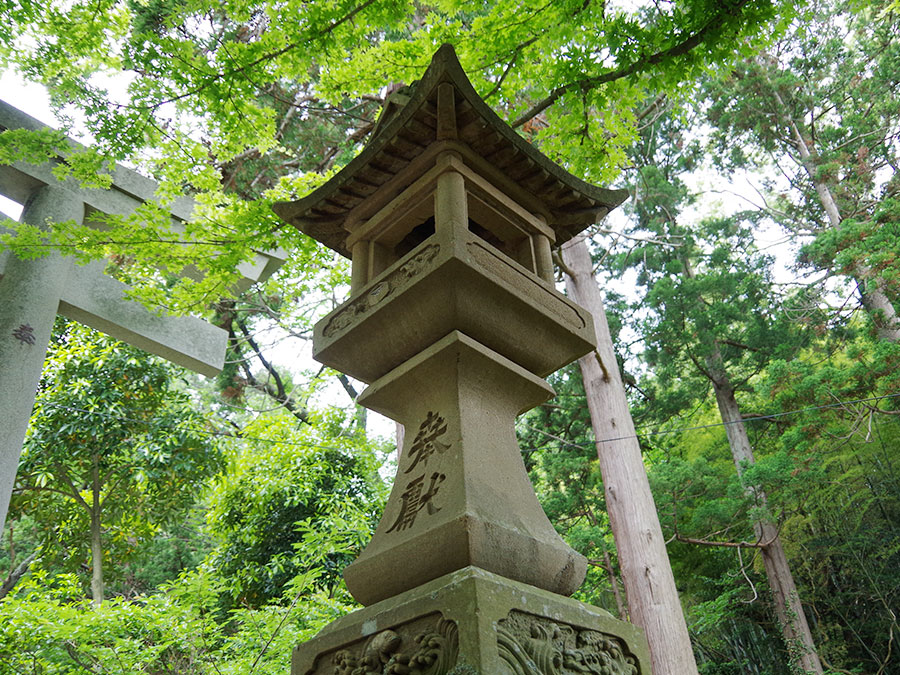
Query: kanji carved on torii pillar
{"type": "Point", "coordinates": [449, 218]}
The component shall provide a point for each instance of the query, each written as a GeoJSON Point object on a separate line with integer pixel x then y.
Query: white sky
{"type": "Point", "coordinates": [29, 98]}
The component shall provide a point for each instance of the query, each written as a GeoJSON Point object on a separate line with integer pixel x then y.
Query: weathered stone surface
{"type": "Point", "coordinates": [454, 281]}
{"type": "Point", "coordinates": [99, 301]}
{"type": "Point", "coordinates": [428, 644]}
{"type": "Point", "coordinates": [536, 645]}
{"type": "Point", "coordinates": [462, 495]}
{"type": "Point", "coordinates": [29, 296]}
{"type": "Point", "coordinates": [454, 319]}
{"type": "Point", "coordinates": [474, 622]}
{"type": "Point", "coordinates": [434, 117]}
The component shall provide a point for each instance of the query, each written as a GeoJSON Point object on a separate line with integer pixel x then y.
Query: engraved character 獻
{"type": "Point", "coordinates": [414, 500]}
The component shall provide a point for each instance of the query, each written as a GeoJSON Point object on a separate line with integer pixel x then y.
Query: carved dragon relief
{"type": "Point", "coordinates": [426, 646]}
{"type": "Point", "coordinates": [532, 645]}
{"type": "Point", "coordinates": [374, 296]}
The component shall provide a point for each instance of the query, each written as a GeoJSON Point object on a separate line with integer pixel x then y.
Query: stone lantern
{"type": "Point", "coordinates": [449, 218]}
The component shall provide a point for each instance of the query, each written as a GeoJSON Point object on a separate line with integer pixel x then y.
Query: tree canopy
{"type": "Point", "coordinates": [245, 103]}
{"type": "Point", "coordinates": [115, 452]}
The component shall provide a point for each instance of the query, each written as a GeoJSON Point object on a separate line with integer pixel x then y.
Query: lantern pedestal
{"type": "Point", "coordinates": [472, 622]}
{"type": "Point", "coordinates": [462, 495]}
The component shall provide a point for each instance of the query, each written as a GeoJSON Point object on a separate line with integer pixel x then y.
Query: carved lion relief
{"type": "Point", "coordinates": [532, 645]}
{"type": "Point", "coordinates": [426, 646]}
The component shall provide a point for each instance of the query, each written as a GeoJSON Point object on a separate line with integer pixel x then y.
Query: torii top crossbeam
{"type": "Point", "coordinates": [32, 292]}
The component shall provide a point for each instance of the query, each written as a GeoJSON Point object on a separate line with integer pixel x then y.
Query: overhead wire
{"type": "Point", "coordinates": [838, 404]}
{"type": "Point", "coordinates": [223, 434]}
{"type": "Point", "coordinates": [207, 432]}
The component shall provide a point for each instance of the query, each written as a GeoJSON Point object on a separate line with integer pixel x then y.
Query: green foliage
{"type": "Point", "coordinates": [34, 147]}
{"type": "Point", "coordinates": [286, 487]}
{"type": "Point", "coordinates": [111, 438]}
{"type": "Point", "coordinates": [21, 537]}
{"type": "Point", "coordinates": [711, 315]}
{"type": "Point", "coordinates": [829, 83]}
{"type": "Point", "coordinates": [259, 99]}
{"type": "Point", "coordinates": [241, 104]}
{"type": "Point", "coordinates": [176, 548]}
{"type": "Point", "coordinates": [46, 629]}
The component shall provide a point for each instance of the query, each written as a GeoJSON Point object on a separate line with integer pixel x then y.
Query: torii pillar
{"type": "Point", "coordinates": [453, 320]}
{"type": "Point", "coordinates": [32, 292]}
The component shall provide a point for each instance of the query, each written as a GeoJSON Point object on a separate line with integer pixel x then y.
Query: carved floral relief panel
{"type": "Point", "coordinates": [398, 279]}
{"type": "Point", "coordinates": [533, 645]}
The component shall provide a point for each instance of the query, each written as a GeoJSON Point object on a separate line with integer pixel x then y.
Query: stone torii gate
{"type": "Point", "coordinates": [33, 292]}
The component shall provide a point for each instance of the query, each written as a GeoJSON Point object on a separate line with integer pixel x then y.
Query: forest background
{"type": "Point", "coordinates": [162, 523]}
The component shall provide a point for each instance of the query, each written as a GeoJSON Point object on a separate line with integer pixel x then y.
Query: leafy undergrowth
{"type": "Point", "coordinates": [49, 628]}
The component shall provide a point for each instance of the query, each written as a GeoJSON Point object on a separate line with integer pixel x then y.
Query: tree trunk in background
{"type": "Point", "coordinates": [788, 608]}
{"type": "Point", "coordinates": [649, 584]}
{"type": "Point", "coordinates": [16, 574]}
{"type": "Point", "coordinates": [96, 543]}
{"type": "Point", "coordinates": [874, 299]}
{"type": "Point", "coordinates": [614, 582]}
{"type": "Point", "coordinates": [880, 308]}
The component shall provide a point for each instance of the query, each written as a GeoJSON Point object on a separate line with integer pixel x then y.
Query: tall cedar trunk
{"type": "Point", "coordinates": [788, 609]}
{"type": "Point", "coordinates": [649, 584]}
{"type": "Point", "coordinates": [96, 544]}
{"type": "Point", "coordinates": [874, 298]}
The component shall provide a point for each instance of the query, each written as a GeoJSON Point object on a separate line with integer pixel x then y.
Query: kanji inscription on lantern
{"type": "Point", "coordinates": [414, 500]}
{"type": "Point", "coordinates": [24, 333]}
{"type": "Point", "coordinates": [426, 442]}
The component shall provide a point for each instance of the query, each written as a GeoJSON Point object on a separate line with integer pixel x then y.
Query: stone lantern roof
{"type": "Point", "coordinates": [409, 137]}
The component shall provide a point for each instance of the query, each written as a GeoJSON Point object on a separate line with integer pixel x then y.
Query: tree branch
{"type": "Point", "coordinates": [262, 59]}
{"type": "Point", "coordinates": [727, 544]}
{"type": "Point", "coordinates": [512, 62]}
{"type": "Point", "coordinates": [37, 488]}
{"type": "Point", "coordinates": [557, 258]}
{"type": "Point", "coordinates": [68, 481]}
{"type": "Point", "coordinates": [680, 49]}
{"type": "Point", "coordinates": [348, 386]}
{"type": "Point", "coordinates": [278, 392]}
{"type": "Point", "coordinates": [15, 575]}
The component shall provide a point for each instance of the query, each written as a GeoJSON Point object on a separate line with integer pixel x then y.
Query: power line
{"type": "Point", "coordinates": [207, 432]}
{"type": "Point", "coordinates": [838, 404]}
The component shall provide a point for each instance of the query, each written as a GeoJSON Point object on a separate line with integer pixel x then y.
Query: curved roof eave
{"type": "Point", "coordinates": [593, 201]}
